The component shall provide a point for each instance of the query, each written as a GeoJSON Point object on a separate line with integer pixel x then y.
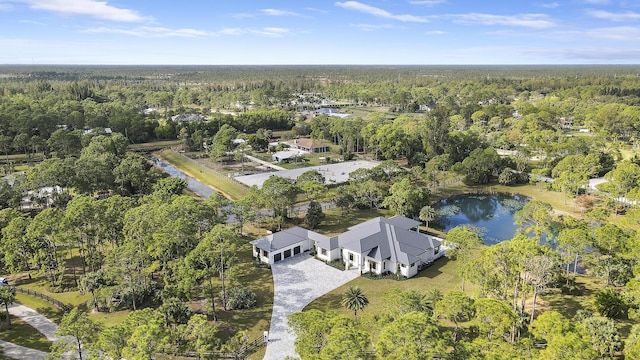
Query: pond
{"type": "Point", "coordinates": [490, 214]}
{"type": "Point", "coordinates": [193, 184]}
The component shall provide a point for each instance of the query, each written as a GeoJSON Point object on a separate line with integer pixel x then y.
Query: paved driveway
{"type": "Point", "coordinates": [297, 282]}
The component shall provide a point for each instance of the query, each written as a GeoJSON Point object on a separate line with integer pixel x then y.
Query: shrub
{"type": "Point", "coordinates": [241, 298]}
{"type": "Point", "coordinates": [610, 303]}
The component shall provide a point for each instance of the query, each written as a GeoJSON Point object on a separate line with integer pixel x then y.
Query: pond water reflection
{"type": "Point", "coordinates": [490, 214]}
{"type": "Point", "coordinates": [193, 184]}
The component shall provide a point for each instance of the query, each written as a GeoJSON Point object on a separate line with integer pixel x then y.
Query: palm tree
{"type": "Point", "coordinates": [354, 299]}
{"type": "Point", "coordinates": [427, 213]}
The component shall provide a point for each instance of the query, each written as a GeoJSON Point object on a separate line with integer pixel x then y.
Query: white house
{"type": "Point", "coordinates": [379, 246]}
{"type": "Point", "coordinates": [309, 145]}
{"type": "Point", "coordinates": [285, 156]}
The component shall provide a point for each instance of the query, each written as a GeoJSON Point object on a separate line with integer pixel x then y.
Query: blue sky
{"type": "Point", "coordinates": [319, 32]}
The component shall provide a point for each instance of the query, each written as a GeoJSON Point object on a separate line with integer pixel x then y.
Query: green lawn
{"type": "Point", "coordinates": [41, 306]}
{"type": "Point", "coordinates": [21, 333]}
{"type": "Point", "coordinates": [154, 145]}
{"type": "Point", "coordinates": [229, 189]}
{"type": "Point", "coordinates": [442, 275]}
{"type": "Point", "coordinates": [336, 221]}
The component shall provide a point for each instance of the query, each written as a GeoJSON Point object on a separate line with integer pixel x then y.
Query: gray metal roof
{"type": "Point", "coordinates": [281, 239]}
{"type": "Point", "coordinates": [285, 238]}
{"type": "Point", "coordinates": [382, 238]}
{"type": "Point", "coordinates": [403, 222]}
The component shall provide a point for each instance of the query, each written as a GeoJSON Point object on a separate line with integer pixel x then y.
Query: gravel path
{"type": "Point", "coordinates": [297, 282]}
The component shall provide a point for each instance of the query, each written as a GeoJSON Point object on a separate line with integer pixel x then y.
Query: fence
{"type": "Point", "coordinates": [60, 305]}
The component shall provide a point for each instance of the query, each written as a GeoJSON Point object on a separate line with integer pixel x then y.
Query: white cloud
{"type": "Point", "coordinates": [231, 31]}
{"type": "Point", "coordinates": [597, 2]}
{"type": "Point", "coordinates": [621, 33]}
{"type": "Point", "coordinates": [367, 9]}
{"type": "Point", "coordinates": [370, 27]}
{"type": "Point", "coordinates": [271, 32]}
{"type": "Point", "coordinates": [151, 32]}
{"type": "Point", "coordinates": [606, 15]}
{"type": "Point", "coordinates": [160, 32]}
{"type": "Point", "coordinates": [427, 2]}
{"type": "Point", "coordinates": [97, 9]}
{"type": "Point", "coordinates": [552, 5]}
{"type": "Point", "coordinates": [317, 10]}
{"type": "Point", "coordinates": [276, 12]}
{"type": "Point", "coordinates": [588, 54]}
{"type": "Point", "coordinates": [33, 22]}
{"type": "Point", "coordinates": [536, 21]}
{"type": "Point", "coordinates": [242, 15]}
{"type": "Point", "coordinates": [435, 32]}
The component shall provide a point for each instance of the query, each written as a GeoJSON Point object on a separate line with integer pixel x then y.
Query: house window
{"type": "Point", "coordinates": [323, 251]}
{"type": "Point", "coordinates": [436, 250]}
{"type": "Point", "coordinates": [350, 256]}
{"type": "Point", "coordinates": [265, 253]}
{"type": "Point", "coordinates": [373, 265]}
{"type": "Point", "coordinates": [384, 266]}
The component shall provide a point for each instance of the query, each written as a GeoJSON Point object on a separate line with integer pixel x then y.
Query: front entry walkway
{"type": "Point", "coordinates": [297, 282]}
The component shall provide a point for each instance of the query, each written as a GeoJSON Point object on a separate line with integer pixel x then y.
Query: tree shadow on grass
{"type": "Point", "coordinates": [330, 301]}
{"type": "Point", "coordinates": [433, 270]}
{"type": "Point", "coordinates": [21, 333]}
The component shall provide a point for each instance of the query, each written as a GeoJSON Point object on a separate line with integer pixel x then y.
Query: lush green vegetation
{"type": "Point", "coordinates": [120, 242]}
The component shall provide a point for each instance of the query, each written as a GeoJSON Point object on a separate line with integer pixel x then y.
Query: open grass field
{"type": "Point", "coordinates": [21, 333]}
{"type": "Point", "coordinates": [229, 189]}
{"type": "Point", "coordinates": [152, 146]}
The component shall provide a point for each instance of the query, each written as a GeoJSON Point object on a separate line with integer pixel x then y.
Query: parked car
{"type": "Point", "coordinates": [4, 282]}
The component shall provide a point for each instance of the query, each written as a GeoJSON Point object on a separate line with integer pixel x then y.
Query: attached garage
{"type": "Point", "coordinates": [284, 244]}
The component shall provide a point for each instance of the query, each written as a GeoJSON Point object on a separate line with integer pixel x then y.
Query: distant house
{"type": "Point", "coordinates": [99, 131]}
{"type": "Point", "coordinates": [330, 112]}
{"type": "Point", "coordinates": [187, 118]}
{"type": "Point", "coordinates": [309, 145]}
{"type": "Point", "coordinates": [566, 123]}
{"type": "Point", "coordinates": [40, 198]}
{"type": "Point", "coordinates": [285, 156]}
{"type": "Point", "coordinates": [377, 246]}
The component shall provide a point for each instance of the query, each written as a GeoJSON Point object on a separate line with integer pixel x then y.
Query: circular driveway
{"type": "Point", "coordinates": [297, 282]}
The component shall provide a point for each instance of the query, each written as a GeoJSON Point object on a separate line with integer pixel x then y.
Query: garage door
{"type": "Point", "coordinates": [287, 253]}
{"type": "Point", "coordinates": [277, 257]}
{"type": "Point", "coordinates": [296, 250]}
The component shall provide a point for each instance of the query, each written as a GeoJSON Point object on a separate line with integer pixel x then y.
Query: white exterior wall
{"type": "Point", "coordinates": [326, 257]}
{"type": "Point", "coordinates": [356, 262]}
{"type": "Point", "coordinates": [367, 266]}
{"type": "Point", "coordinates": [330, 256]}
{"type": "Point", "coordinates": [427, 256]}
{"type": "Point", "coordinates": [257, 253]}
{"type": "Point", "coordinates": [409, 271]}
